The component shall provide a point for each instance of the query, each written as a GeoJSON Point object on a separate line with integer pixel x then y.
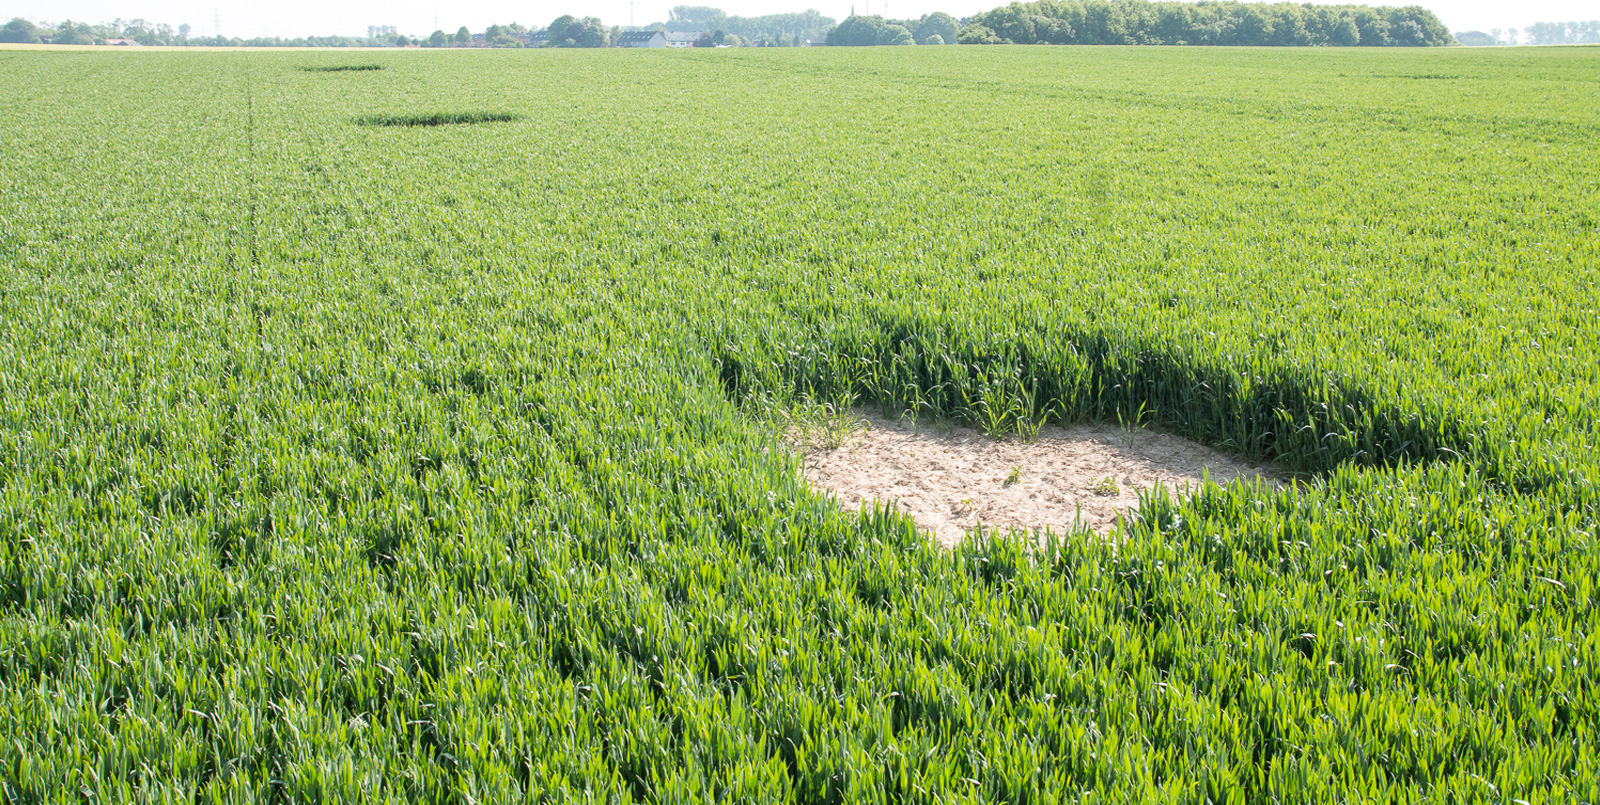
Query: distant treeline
{"type": "Point", "coordinates": [1564, 33]}
{"type": "Point", "coordinates": [67, 32]}
{"type": "Point", "coordinates": [1539, 33]}
{"type": "Point", "coordinates": [1059, 22]}
{"type": "Point", "coordinates": [770, 29]}
{"type": "Point", "coordinates": [1138, 22]}
{"type": "Point", "coordinates": [937, 28]}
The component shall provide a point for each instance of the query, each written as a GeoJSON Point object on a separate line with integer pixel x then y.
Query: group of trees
{"type": "Point", "coordinates": [19, 31]}
{"type": "Point", "coordinates": [494, 36]}
{"type": "Point", "coordinates": [937, 28]}
{"type": "Point", "coordinates": [1474, 39]}
{"type": "Point", "coordinates": [771, 30]}
{"type": "Point", "coordinates": [714, 27]}
{"type": "Point", "coordinates": [1564, 33]}
{"type": "Point", "coordinates": [1140, 22]}
{"type": "Point", "coordinates": [1539, 33]}
{"type": "Point", "coordinates": [566, 31]}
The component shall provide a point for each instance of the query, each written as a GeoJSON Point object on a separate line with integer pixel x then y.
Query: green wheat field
{"type": "Point", "coordinates": [414, 434]}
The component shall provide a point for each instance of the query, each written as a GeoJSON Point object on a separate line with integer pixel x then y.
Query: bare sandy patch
{"type": "Point", "coordinates": [951, 480]}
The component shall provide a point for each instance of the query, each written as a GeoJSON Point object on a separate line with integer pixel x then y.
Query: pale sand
{"type": "Point", "coordinates": [952, 479]}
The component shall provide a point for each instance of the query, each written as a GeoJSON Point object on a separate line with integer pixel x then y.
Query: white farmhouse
{"type": "Point", "coordinates": [642, 39]}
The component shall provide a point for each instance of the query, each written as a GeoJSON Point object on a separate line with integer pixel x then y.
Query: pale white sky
{"type": "Point", "coordinates": [351, 18]}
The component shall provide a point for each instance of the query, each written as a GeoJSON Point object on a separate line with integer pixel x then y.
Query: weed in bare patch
{"type": "Point", "coordinates": [823, 425]}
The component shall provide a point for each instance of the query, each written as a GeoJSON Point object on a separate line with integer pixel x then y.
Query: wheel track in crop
{"type": "Point", "coordinates": [1523, 127]}
{"type": "Point", "coordinates": [250, 156]}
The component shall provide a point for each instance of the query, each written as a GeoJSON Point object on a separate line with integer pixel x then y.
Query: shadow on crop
{"type": "Point", "coordinates": [343, 68]}
{"type": "Point", "coordinates": [1302, 421]}
{"type": "Point", "coordinates": [437, 119]}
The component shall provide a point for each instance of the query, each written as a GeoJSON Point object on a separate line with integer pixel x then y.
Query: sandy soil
{"type": "Point", "coordinates": [953, 479]}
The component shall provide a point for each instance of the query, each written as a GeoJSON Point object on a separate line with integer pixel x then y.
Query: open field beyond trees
{"type": "Point", "coordinates": [414, 434]}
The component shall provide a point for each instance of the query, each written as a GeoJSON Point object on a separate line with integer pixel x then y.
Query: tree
{"type": "Point", "coordinates": [1408, 33]}
{"type": "Point", "coordinates": [1474, 39]}
{"type": "Point", "coordinates": [568, 31]}
{"type": "Point", "coordinates": [463, 36]}
{"type": "Point", "coordinates": [937, 24]}
{"type": "Point", "coordinates": [934, 40]}
{"type": "Point", "coordinates": [694, 18]}
{"type": "Point", "coordinates": [1013, 23]}
{"type": "Point", "coordinates": [1434, 34]}
{"type": "Point", "coordinates": [855, 32]}
{"type": "Point", "coordinates": [437, 40]}
{"type": "Point", "coordinates": [1547, 33]}
{"type": "Point", "coordinates": [782, 29]}
{"type": "Point", "coordinates": [1289, 29]}
{"type": "Point", "coordinates": [401, 42]}
{"type": "Point", "coordinates": [1345, 33]}
{"type": "Point", "coordinates": [559, 31]}
{"type": "Point", "coordinates": [594, 34]}
{"type": "Point", "coordinates": [71, 34]}
{"type": "Point", "coordinates": [1174, 23]}
{"type": "Point", "coordinates": [1103, 24]}
{"type": "Point", "coordinates": [1254, 27]}
{"type": "Point", "coordinates": [975, 34]}
{"type": "Point", "coordinates": [1373, 27]}
{"type": "Point", "coordinates": [865, 31]}
{"type": "Point", "coordinates": [19, 30]}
